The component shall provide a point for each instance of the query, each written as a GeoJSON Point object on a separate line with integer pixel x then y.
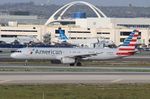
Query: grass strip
{"type": "Point", "coordinates": [75, 91]}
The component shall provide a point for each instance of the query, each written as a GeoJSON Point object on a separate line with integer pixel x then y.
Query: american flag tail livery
{"type": "Point", "coordinates": [129, 44]}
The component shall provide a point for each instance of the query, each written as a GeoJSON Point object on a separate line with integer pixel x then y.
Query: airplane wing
{"type": "Point", "coordinates": [84, 55]}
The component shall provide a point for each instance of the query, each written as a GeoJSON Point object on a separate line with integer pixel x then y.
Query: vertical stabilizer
{"type": "Point", "coordinates": [62, 36]}
{"type": "Point", "coordinates": [129, 44]}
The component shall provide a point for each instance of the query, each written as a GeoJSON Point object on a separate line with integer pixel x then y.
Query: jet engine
{"type": "Point", "coordinates": [67, 60]}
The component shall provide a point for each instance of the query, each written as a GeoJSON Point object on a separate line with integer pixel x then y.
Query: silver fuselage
{"type": "Point", "coordinates": [58, 53]}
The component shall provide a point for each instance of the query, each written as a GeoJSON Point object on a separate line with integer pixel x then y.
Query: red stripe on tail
{"type": "Point", "coordinates": [133, 40]}
{"type": "Point", "coordinates": [131, 44]}
{"type": "Point", "coordinates": [135, 35]}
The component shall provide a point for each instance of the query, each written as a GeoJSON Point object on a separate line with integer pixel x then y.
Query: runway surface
{"type": "Point", "coordinates": [106, 75]}
{"type": "Point", "coordinates": [68, 77]}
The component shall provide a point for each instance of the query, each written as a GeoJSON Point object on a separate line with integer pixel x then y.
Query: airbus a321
{"type": "Point", "coordinates": [74, 56]}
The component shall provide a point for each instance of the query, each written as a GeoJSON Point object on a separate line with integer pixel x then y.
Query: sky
{"type": "Point", "coordinates": [145, 3]}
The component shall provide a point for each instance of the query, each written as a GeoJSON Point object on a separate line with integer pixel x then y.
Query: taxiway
{"type": "Point", "coordinates": [68, 77]}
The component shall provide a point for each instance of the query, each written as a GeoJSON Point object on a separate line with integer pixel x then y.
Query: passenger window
{"type": "Point", "coordinates": [31, 52]}
{"type": "Point", "coordinates": [18, 51]}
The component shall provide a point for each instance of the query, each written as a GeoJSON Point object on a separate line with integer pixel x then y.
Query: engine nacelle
{"type": "Point", "coordinates": [67, 60]}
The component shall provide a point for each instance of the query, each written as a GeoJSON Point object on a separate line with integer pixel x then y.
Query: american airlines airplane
{"type": "Point", "coordinates": [74, 56]}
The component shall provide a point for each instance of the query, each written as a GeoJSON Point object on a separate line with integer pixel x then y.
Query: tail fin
{"type": "Point", "coordinates": [62, 36]}
{"type": "Point", "coordinates": [129, 44]}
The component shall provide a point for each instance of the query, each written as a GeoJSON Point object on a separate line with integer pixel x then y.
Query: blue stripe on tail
{"type": "Point", "coordinates": [128, 40]}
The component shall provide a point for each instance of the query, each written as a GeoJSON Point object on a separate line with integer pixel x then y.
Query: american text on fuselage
{"type": "Point", "coordinates": [50, 52]}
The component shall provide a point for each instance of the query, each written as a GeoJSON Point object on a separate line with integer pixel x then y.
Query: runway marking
{"type": "Point", "coordinates": [115, 81]}
{"type": "Point", "coordinates": [4, 81]}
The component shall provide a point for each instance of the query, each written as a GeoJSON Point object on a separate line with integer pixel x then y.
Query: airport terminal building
{"type": "Point", "coordinates": [78, 27]}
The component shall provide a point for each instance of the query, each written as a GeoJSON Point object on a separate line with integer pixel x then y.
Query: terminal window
{"type": "Point", "coordinates": [127, 33]}
{"type": "Point", "coordinates": [103, 33]}
{"type": "Point", "coordinates": [134, 25]}
{"type": "Point", "coordinates": [57, 31]}
{"type": "Point", "coordinates": [79, 32]}
{"type": "Point", "coordinates": [73, 37]}
{"type": "Point", "coordinates": [122, 39]}
{"type": "Point", "coordinates": [8, 35]}
{"type": "Point", "coordinates": [19, 30]}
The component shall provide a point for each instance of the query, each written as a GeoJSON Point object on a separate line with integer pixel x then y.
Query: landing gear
{"type": "Point", "coordinates": [72, 64]}
{"type": "Point", "coordinates": [79, 64]}
{"type": "Point", "coordinates": [76, 64]}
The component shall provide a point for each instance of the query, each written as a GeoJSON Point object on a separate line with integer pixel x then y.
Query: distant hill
{"type": "Point", "coordinates": [45, 11]}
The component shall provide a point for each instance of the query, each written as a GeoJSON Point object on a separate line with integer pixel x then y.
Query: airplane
{"type": "Point", "coordinates": [74, 56]}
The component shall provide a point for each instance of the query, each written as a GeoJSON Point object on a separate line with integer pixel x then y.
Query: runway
{"type": "Point", "coordinates": [75, 78]}
{"type": "Point", "coordinates": [57, 74]}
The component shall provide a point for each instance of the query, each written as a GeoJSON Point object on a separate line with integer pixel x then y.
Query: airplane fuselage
{"type": "Point", "coordinates": [58, 53]}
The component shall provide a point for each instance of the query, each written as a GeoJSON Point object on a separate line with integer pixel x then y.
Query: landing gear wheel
{"type": "Point", "coordinates": [79, 64]}
{"type": "Point", "coordinates": [72, 64]}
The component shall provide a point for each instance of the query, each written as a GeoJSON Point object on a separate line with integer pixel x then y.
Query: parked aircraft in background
{"type": "Point", "coordinates": [92, 42]}
{"type": "Point", "coordinates": [62, 37]}
{"type": "Point", "coordinates": [74, 56]}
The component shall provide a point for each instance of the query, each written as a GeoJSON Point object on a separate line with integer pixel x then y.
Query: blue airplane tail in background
{"type": "Point", "coordinates": [62, 36]}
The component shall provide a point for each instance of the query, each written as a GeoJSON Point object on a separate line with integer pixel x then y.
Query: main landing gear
{"type": "Point", "coordinates": [76, 64]}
